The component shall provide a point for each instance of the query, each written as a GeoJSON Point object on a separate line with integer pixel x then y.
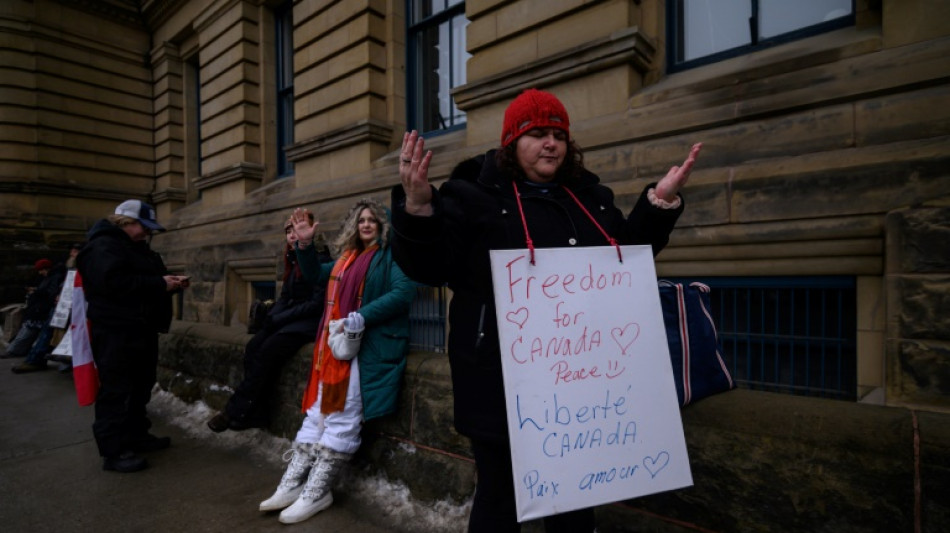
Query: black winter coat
{"type": "Point", "coordinates": [475, 211]}
{"type": "Point", "coordinates": [40, 302]}
{"type": "Point", "coordinates": [300, 305]}
{"type": "Point", "coordinates": [123, 281]}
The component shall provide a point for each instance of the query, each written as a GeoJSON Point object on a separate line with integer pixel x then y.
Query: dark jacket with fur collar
{"type": "Point", "coordinates": [476, 211]}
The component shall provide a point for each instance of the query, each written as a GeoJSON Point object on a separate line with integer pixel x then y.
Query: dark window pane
{"type": "Point", "coordinates": [437, 58]}
{"type": "Point", "coordinates": [781, 16]}
{"type": "Point", "coordinates": [703, 31]}
{"type": "Point", "coordinates": [285, 86]}
{"type": "Point", "coordinates": [710, 27]}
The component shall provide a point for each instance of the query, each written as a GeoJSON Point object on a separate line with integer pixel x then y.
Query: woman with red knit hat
{"type": "Point", "coordinates": [531, 192]}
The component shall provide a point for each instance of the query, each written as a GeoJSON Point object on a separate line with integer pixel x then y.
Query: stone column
{"type": "Point", "coordinates": [918, 301]}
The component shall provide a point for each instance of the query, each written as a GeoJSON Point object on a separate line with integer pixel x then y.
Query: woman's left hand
{"type": "Point", "coordinates": [676, 178]}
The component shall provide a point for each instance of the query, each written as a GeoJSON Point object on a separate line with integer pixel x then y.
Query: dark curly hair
{"type": "Point", "coordinates": [506, 159]}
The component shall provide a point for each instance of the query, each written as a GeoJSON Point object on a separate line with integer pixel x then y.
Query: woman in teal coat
{"type": "Point", "coordinates": [359, 354]}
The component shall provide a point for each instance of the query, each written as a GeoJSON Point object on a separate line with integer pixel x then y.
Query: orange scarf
{"type": "Point", "coordinates": [333, 373]}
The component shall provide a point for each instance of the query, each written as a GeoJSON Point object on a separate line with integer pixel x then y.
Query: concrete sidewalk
{"type": "Point", "coordinates": [51, 476]}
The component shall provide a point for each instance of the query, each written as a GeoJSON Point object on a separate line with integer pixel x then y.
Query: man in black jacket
{"type": "Point", "coordinates": [128, 291]}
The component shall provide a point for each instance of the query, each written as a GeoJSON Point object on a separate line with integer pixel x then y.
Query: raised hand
{"type": "Point", "coordinates": [300, 219]}
{"type": "Point", "coordinates": [676, 178]}
{"type": "Point", "coordinates": [414, 174]}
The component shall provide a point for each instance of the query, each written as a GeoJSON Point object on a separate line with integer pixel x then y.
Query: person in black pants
{"type": "Point", "coordinates": [36, 358]}
{"type": "Point", "coordinates": [531, 192]}
{"type": "Point", "coordinates": [129, 295]}
{"type": "Point", "coordinates": [40, 300]}
{"type": "Point", "coordinates": [290, 324]}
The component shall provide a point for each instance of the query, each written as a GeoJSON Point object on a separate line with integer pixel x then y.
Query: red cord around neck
{"type": "Point", "coordinates": [524, 222]}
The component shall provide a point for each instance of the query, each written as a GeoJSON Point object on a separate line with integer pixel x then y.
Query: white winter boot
{"type": "Point", "coordinates": [292, 483]}
{"type": "Point", "coordinates": [316, 495]}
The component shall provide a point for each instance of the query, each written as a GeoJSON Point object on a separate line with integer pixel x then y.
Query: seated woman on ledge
{"type": "Point", "coordinates": [289, 325]}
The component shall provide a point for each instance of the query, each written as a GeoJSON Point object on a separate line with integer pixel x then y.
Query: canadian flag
{"type": "Point", "coordinates": [85, 375]}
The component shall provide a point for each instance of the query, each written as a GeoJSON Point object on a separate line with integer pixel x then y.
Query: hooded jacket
{"type": "Point", "coordinates": [123, 281]}
{"type": "Point", "coordinates": [387, 298]}
{"type": "Point", "coordinates": [300, 305]}
{"type": "Point", "coordinates": [475, 211]}
{"type": "Point", "coordinates": [41, 302]}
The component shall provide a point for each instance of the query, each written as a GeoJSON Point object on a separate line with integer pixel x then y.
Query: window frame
{"type": "Point", "coordinates": [413, 84]}
{"type": "Point", "coordinates": [674, 16]}
{"type": "Point", "coordinates": [795, 334]}
{"type": "Point", "coordinates": [193, 140]}
{"type": "Point", "coordinates": [428, 319]}
{"type": "Point", "coordinates": [284, 93]}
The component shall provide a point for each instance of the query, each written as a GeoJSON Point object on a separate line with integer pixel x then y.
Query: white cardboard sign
{"type": "Point", "coordinates": [65, 346]}
{"type": "Point", "coordinates": [65, 303]}
{"type": "Point", "coordinates": [593, 415]}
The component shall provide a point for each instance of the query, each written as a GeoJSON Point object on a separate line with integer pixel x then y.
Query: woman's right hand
{"type": "Point", "coordinates": [300, 219]}
{"type": "Point", "coordinates": [174, 283]}
{"type": "Point", "coordinates": [414, 174]}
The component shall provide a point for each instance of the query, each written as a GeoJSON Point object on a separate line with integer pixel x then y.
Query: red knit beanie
{"type": "Point", "coordinates": [533, 109]}
{"type": "Point", "coordinates": [42, 264]}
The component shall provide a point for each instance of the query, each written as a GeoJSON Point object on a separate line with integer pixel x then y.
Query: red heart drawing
{"type": "Point", "coordinates": [623, 338]}
{"type": "Point", "coordinates": [518, 317]}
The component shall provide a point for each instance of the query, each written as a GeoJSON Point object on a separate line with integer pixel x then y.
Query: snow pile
{"type": "Point", "coordinates": [393, 501]}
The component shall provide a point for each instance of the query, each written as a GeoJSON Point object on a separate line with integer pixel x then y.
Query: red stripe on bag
{"type": "Point", "coordinates": [722, 363]}
{"type": "Point", "coordinates": [684, 334]}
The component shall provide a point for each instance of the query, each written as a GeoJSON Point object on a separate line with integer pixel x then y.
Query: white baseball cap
{"type": "Point", "coordinates": [140, 211]}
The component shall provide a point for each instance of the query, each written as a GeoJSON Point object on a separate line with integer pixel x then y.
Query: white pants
{"type": "Point", "coordinates": [338, 431]}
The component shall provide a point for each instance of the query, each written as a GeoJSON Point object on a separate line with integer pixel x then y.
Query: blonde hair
{"type": "Point", "coordinates": [349, 237]}
{"type": "Point", "coordinates": [121, 220]}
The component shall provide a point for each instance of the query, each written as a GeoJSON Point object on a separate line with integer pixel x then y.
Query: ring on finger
{"type": "Point", "coordinates": [407, 160]}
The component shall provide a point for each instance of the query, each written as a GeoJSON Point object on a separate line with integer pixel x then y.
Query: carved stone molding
{"type": "Point", "coordinates": [625, 46]}
{"type": "Point", "coordinates": [155, 12]}
{"type": "Point", "coordinates": [63, 190]}
{"type": "Point", "coordinates": [124, 11]}
{"type": "Point", "coordinates": [363, 131]}
{"type": "Point", "coordinates": [165, 51]}
{"type": "Point", "coordinates": [171, 194]}
{"type": "Point", "coordinates": [241, 171]}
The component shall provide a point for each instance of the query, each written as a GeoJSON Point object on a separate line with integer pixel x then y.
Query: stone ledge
{"type": "Point", "coordinates": [760, 461]}
{"type": "Point", "coordinates": [253, 172]}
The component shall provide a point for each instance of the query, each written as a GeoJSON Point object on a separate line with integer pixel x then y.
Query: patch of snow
{"type": "Point", "coordinates": [395, 504]}
{"type": "Point", "coordinates": [392, 500]}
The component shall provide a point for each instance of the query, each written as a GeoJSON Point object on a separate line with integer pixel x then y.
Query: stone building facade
{"type": "Point", "coordinates": [823, 156]}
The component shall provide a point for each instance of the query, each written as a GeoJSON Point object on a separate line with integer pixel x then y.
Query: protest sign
{"type": "Point", "coordinates": [65, 302]}
{"type": "Point", "coordinates": [593, 415]}
{"type": "Point", "coordinates": [65, 346]}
